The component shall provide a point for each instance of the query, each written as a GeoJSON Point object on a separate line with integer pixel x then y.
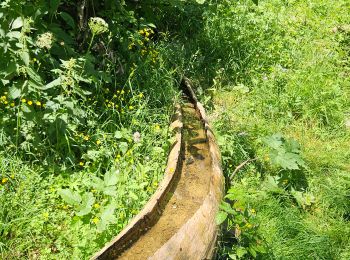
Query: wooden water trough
{"type": "Point", "coordinates": [178, 222]}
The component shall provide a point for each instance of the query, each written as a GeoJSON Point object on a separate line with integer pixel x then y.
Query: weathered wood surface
{"type": "Point", "coordinates": [152, 210]}
{"type": "Point", "coordinates": [189, 236]}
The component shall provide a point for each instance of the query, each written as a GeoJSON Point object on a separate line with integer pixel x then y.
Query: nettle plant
{"type": "Point", "coordinates": [289, 179]}
{"type": "Point", "coordinates": [44, 97]}
{"type": "Point", "coordinates": [240, 234]}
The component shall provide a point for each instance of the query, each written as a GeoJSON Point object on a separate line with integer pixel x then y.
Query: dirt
{"type": "Point", "coordinates": [187, 196]}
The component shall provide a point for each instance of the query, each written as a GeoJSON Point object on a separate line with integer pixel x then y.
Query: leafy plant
{"type": "Point", "coordinates": [284, 153]}
{"type": "Point", "coordinates": [82, 204]}
{"type": "Point", "coordinates": [240, 236]}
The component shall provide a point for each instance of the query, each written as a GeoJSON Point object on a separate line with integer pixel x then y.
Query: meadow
{"type": "Point", "coordinates": [86, 99]}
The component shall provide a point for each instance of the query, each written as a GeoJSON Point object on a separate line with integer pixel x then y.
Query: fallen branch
{"type": "Point", "coordinates": [240, 167]}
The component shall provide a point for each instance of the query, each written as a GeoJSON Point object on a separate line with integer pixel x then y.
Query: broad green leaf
{"type": "Point", "coordinates": [86, 204]}
{"type": "Point", "coordinates": [54, 5]}
{"type": "Point", "coordinates": [25, 57]}
{"type": "Point", "coordinates": [274, 141]}
{"type": "Point", "coordinates": [111, 177]}
{"type": "Point", "coordinates": [286, 160]}
{"type": "Point", "coordinates": [25, 108]}
{"type": "Point", "coordinates": [14, 92]}
{"type": "Point", "coordinates": [33, 75]}
{"type": "Point", "coordinates": [241, 251]}
{"type": "Point", "coordinates": [14, 34]}
{"type": "Point", "coordinates": [123, 146]}
{"type": "Point", "coordinates": [110, 190]}
{"type": "Point", "coordinates": [252, 251]}
{"type": "Point", "coordinates": [107, 217]}
{"type": "Point", "coordinates": [68, 19]}
{"type": "Point", "coordinates": [200, 1]}
{"type": "Point", "coordinates": [69, 196]}
{"type": "Point", "coordinates": [226, 207]}
{"type": "Point", "coordinates": [92, 155]}
{"type": "Point", "coordinates": [52, 84]}
{"type": "Point", "coordinates": [261, 249]}
{"type": "Point", "coordinates": [17, 23]}
{"type": "Point", "coordinates": [118, 134]}
{"type": "Point", "coordinates": [221, 217]}
{"type": "Point", "coordinates": [97, 183]}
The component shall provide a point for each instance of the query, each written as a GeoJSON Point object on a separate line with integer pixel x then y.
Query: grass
{"type": "Point", "coordinates": [87, 152]}
{"type": "Point", "coordinates": [304, 95]}
{"type": "Point", "coordinates": [71, 179]}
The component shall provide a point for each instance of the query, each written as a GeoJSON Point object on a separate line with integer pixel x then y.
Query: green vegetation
{"type": "Point", "coordinates": [296, 91]}
{"type": "Point", "coordinates": [86, 99]}
{"type": "Point", "coordinates": [83, 131]}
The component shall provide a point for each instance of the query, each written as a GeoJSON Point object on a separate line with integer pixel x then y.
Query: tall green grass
{"type": "Point", "coordinates": [294, 80]}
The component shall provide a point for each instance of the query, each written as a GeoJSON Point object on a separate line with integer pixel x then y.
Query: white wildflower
{"type": "Point", "coordinates": [44, 40]}
{"type": "Point", "coordinates": [137, 137]}
{"type": "Point", "coordinates": [98, 25]}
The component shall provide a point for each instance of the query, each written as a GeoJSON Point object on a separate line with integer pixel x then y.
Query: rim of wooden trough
{"type": "Point", "coordinates": [152, 211]}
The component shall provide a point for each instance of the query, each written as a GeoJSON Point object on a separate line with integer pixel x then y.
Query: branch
{"type": "Point", "coordinates": [240, 167]}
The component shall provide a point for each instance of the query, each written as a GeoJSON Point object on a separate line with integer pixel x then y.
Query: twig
{"type": "Point", "coordinates": [241, 166]}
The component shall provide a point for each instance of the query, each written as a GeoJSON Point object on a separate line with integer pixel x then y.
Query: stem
{"type": "Point", "coordinates": [92, 39]}
{"type": "Point", "coordinates": [18, 123]}
{"type": "Point", "coordinates": [88, 50]}
{"type": "Point", "coordinates": [240, 167]}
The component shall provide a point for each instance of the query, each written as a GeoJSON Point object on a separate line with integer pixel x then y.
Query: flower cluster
{"type": "Point", "coordinates": [11, 103]}
{"type": "Point", "coordinates": [98, 25]}
{"type": "Point", "coordinates": [141, 40]}
{"type": "Point", "coordinates": [44, 40]}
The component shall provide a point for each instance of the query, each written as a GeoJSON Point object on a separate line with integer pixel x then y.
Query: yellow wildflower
{"type": "Point", "coordinates": [12, 104]}
{"type": "Point", "coordinates": [81, 164]}
{"type": "Point", "coordinates": [248, 225]}
{"type": "Point", "coordinates": [131, 107]}
{"type": "Point", "coordinates": [98, 142]}
{"type": "Point", "coordinates": [95, 220]}
{"type": "Point", "coordinates": [86, 138]}
{"type": "Point", "coordinates": [96, 205]}
{"type": "Point", "coordinates": [4, 180]}
{"type": "Point", "coordinates": [30, 102]}
{"type": "Point", "coordinates": [38, 103]}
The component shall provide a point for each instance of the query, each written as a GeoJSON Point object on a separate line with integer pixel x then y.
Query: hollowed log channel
{"type": "Point", "coordinates": [188, 195]}
{"type": "Point", "coordinates": [181, 223]}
